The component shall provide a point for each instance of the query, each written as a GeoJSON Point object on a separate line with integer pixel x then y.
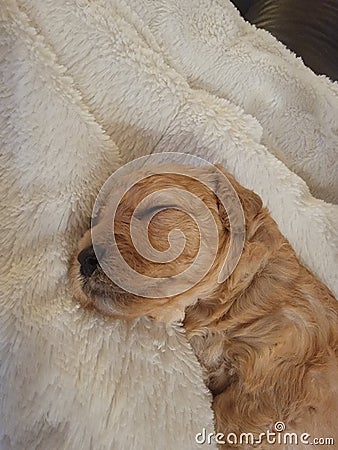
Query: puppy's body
{"type": "Point", "coordinates": [266, 337]}
{"type": "Point", "coordinates": [268, 344]}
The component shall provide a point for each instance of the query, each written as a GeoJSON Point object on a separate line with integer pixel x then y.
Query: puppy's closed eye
{"type": "Point", "coordinates": [152, 210]}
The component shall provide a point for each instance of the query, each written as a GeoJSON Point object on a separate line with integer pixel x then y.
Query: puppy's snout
{"type": "Point", "coordinates": [88, 261]}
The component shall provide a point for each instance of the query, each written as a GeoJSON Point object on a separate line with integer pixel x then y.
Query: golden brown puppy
{"type": "Point", "coordinates": [266, 337]}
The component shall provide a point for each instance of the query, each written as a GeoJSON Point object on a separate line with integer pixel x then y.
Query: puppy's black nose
{"type": "Point", "coordinates": [88, 261]}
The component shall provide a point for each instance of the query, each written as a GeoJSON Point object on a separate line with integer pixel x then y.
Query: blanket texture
{"type": "Point", "coordinates": [87, 85]}
{"type": "Point", "coordinates": [214, 49]}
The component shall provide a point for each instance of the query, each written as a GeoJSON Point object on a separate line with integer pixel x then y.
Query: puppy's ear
{"type": "Point", "coordinates": [251, 202]}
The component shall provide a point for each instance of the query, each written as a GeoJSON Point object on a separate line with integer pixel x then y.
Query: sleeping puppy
{"type": "Point", "coordinates": [266, 336]}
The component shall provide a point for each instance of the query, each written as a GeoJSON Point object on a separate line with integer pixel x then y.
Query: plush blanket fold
{"type": "Point", "coordinates": [86, 86]}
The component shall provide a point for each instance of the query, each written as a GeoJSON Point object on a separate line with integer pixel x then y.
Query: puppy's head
{"type": "Point", "coordinates": [159, 246]}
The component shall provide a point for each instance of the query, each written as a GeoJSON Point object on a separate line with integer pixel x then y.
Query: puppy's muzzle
{"type": "Point", "coordinates": [89, 259]}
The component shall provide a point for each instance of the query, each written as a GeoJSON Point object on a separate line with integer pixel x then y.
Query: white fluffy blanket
{"type": "Point", "coordinates": [85, 86]}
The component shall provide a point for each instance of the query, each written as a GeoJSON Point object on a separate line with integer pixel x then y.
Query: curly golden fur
{"type": "Point", "coordinates": [266, 338]}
